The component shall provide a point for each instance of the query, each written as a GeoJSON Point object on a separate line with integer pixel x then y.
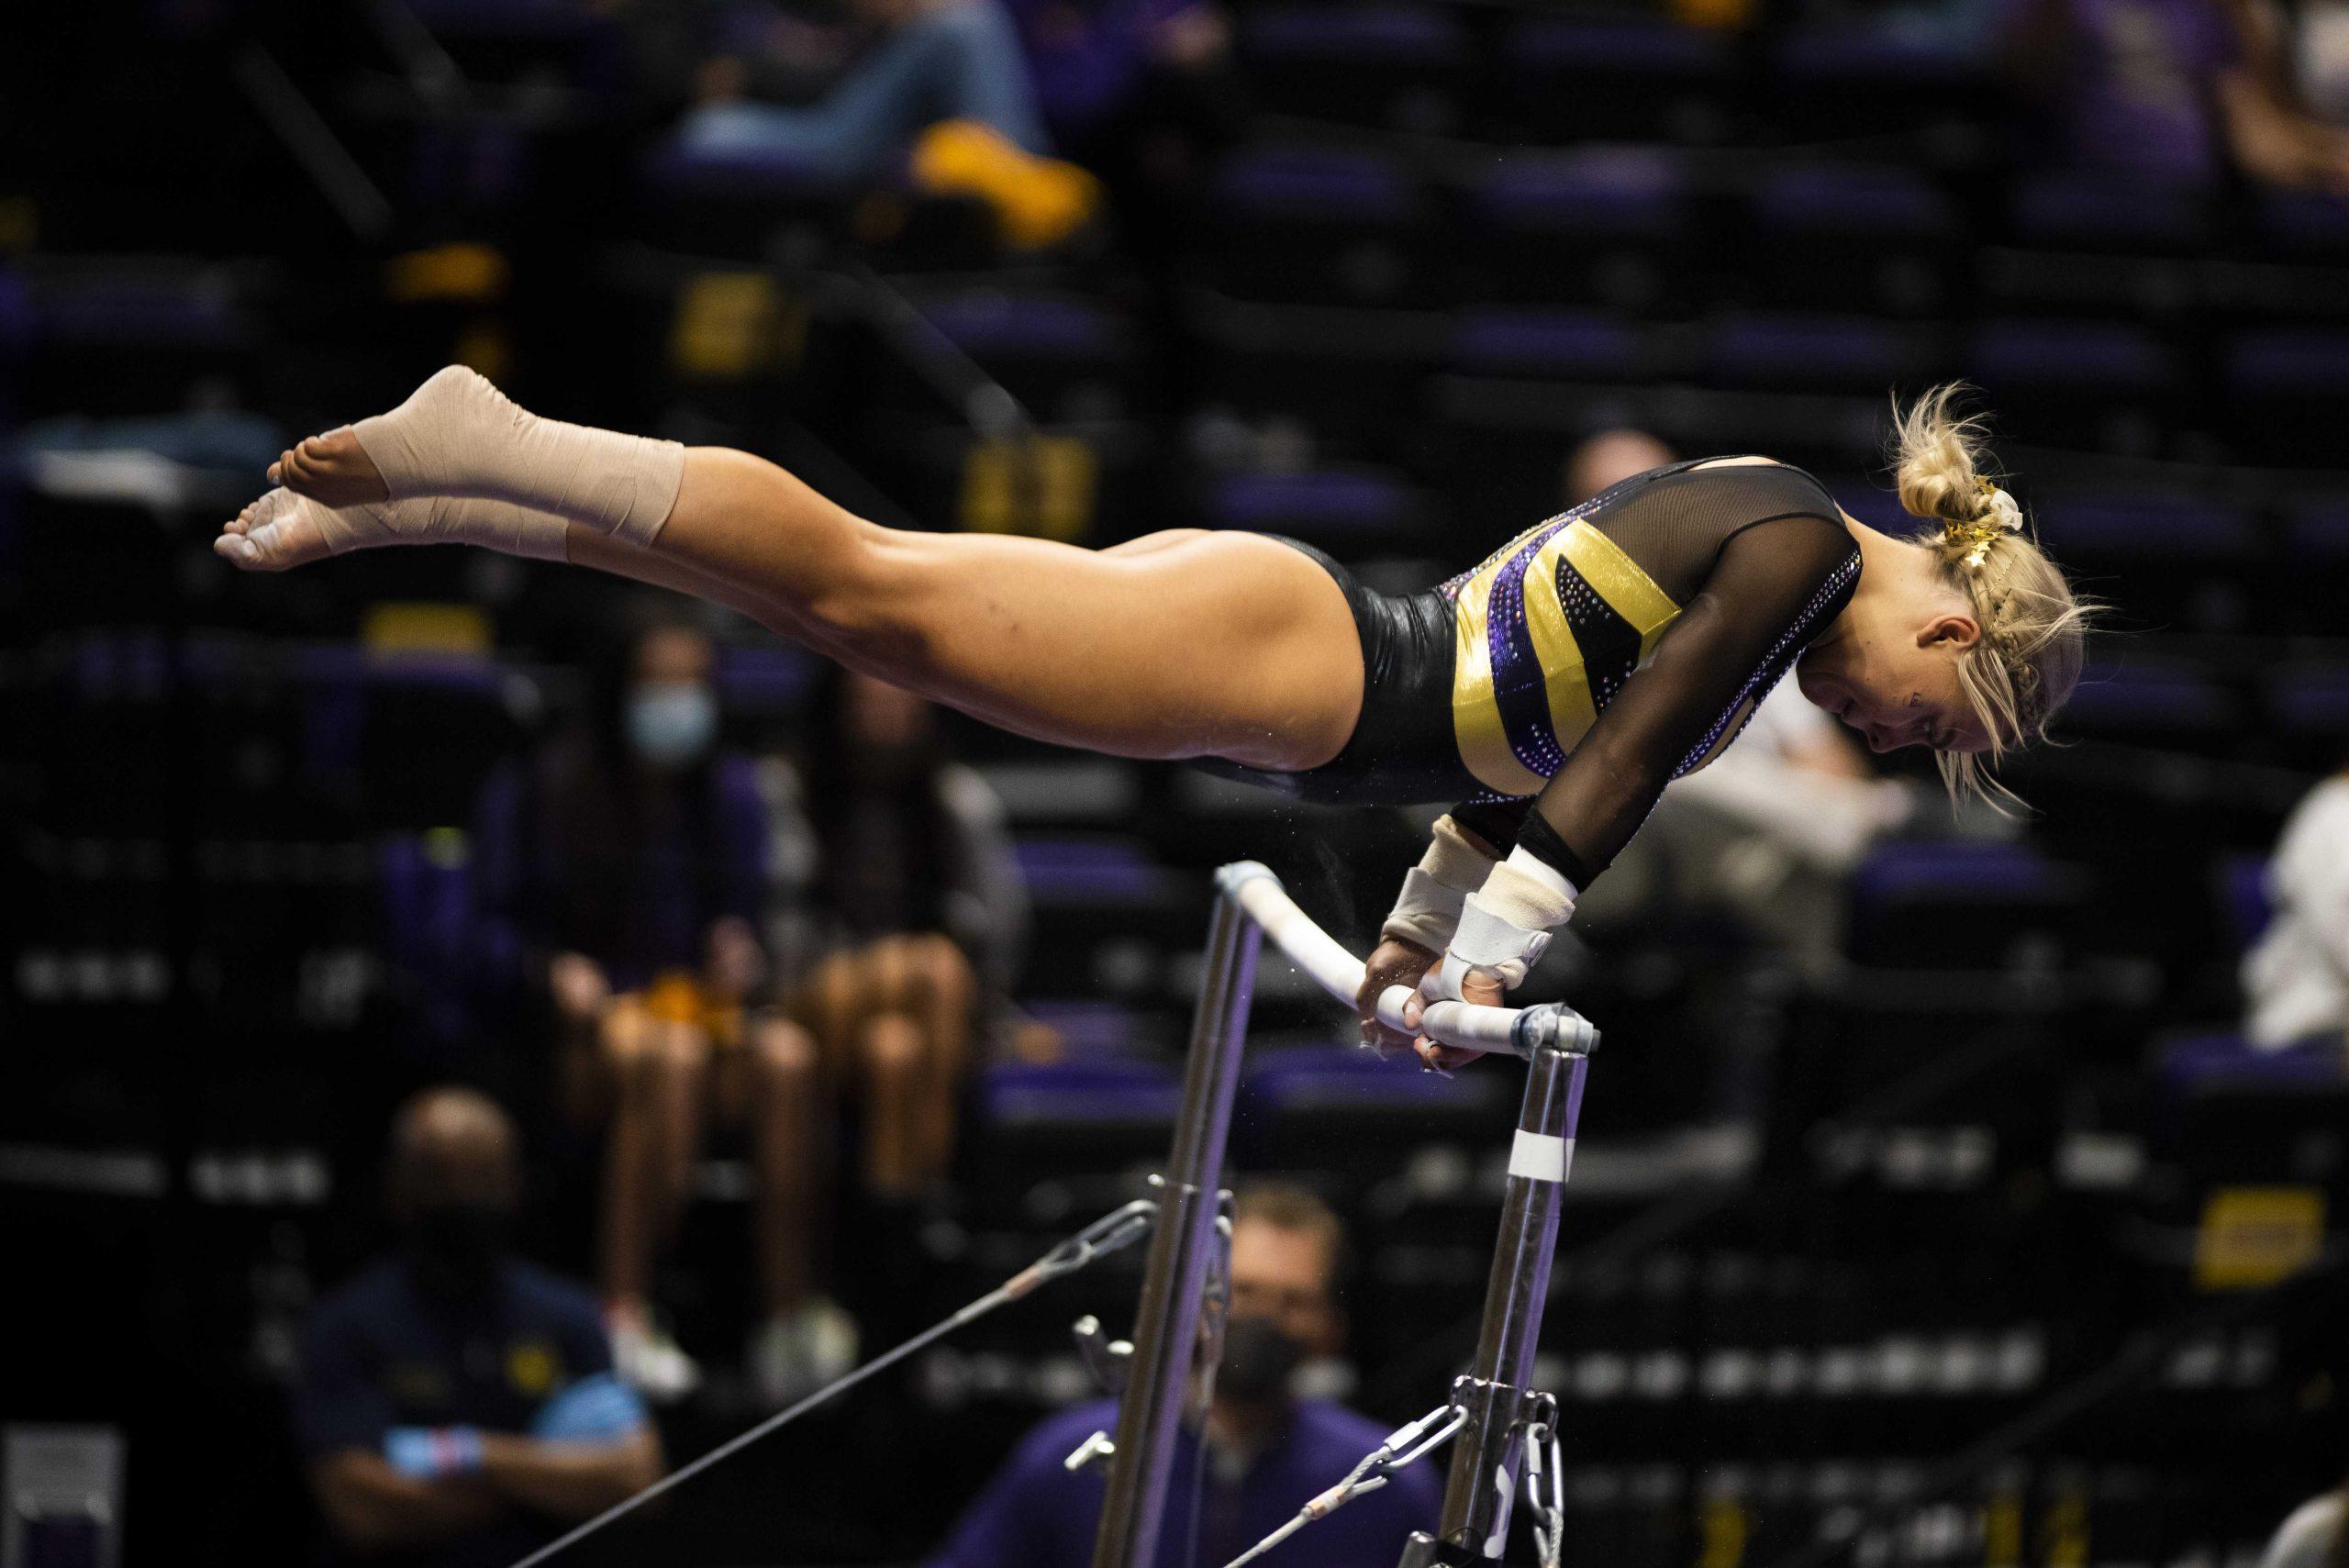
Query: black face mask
{"type": "Point", "coordinates": [1257, 1360]}
{"type": "Point", "coordinates": [456, 1247]}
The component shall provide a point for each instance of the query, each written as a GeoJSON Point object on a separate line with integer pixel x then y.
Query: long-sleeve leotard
{"type": "Point", "coordinates": [1597, 655]}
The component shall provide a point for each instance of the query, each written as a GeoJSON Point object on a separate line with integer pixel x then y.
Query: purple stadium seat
{"type": "Point", "coordinates": [2223, 1059]}
{"type": "Point", "coordinates": [2243, 898]}
{"type": "Point", "coordinates": [1833, 54]}
{"type": "Point", "coordinates": [2069, 354]}
{"type": "Point", "coordinates": [1957, 874]}
{"type": "Point", "coordinates": [2283, 363]}
{"type": "Point", "coordinates": [1607, 192]}
{"type": "Point", "coordinates": [2308, 697]}
{"type": "Point", "coordinates": [1574, 344]}
{"type": "Point", "coordinates": [178, 312]}
{"type": "Point", "coordinates": [427, 898]}
{"type": "Point", "coordinates": [1025, 1093]}
{"type": "Point", "coordinates": [1624, 45]}
{"type": "Point", "coordinates": [1312, 184]}
{"type": "Point", "coordinates": [1378, 34]}
{"type": "Point", "coordinates": [770, 682]}
{"type": "Point", "coordinates": [1088, 1029]}
{"type": "Point", "coordinates": [992, 323]}
{"type": "Point", "coordinates": [2317, 530]}
{"type": "Point", "coordinates": [2304, 224]}
{"type": "Point", "coordinates": [1318, 505]}
{"type": "Point", "coordinates": [2146, 527]}
{"type": "Point", "coordinates": [1088, 871]}
{"type": "Point", "coordinates": [1848, 199]}
{"type": "Point", "coordinates": [550, 20]}
{"type": "Point", "coordinates": [2099, 211]}
{"type": "Point", "coordinates": [1342, 1077]}
{"type": "Point", "coordinates": [1757, 349]}
{"type": "Point", "coordinates": [671, 169]}
{"type": "Point", "coordinates": [2152, 696]}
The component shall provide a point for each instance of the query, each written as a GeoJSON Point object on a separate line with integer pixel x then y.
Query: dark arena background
{"type": "Point", "coordinates": [1954, 1189]}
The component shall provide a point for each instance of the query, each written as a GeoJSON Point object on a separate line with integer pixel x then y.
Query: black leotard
{"type": "Point", "coordinates": [1594, 657]}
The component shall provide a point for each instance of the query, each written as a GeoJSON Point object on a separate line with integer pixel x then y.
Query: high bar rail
{"type": "Point", "coordinates": [1521, 1032]}
{"type": "Point", "coordinates": [1498, 1408]}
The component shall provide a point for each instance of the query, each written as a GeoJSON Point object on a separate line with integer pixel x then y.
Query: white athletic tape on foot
{"type": "Point", "coordinates": [458, 435]}
{"type": "Point", "coordinates": [1540, 1156]}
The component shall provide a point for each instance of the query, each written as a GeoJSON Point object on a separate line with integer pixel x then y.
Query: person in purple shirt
{"type": "Point", "coordinates": [1267, 1451]}
{"type": "Point", "coordinates": [623, 873]}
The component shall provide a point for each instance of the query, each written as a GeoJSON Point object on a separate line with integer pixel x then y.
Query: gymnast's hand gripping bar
{"type": "Point", "coordinates": [1521, 1032]}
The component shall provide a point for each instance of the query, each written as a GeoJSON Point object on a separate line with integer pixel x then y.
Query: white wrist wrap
{"type": "Point", "coordinates": [1428, 907]}
{"type": "Point", "coordinates": [1504, 925]}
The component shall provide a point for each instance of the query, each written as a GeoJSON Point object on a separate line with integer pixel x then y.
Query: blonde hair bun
{"type": "Point", "coordinates": [2028, 659]}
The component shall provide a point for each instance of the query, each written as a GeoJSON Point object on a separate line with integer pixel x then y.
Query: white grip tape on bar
{"type": "Point", "coordinates": [1540, 1156]}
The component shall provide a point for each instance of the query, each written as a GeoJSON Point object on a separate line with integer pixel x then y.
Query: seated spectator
{"type": "Point", "coordinates": [625, 868]}
{"type": "Point", "coordinates": [2174, 92]}
{"type": "Point", "coordinates": [2311, 1537]}
{"type": "Point", "coordinates": [915, 908]}
{"type": "Point", "coordinates": [1267, 1451]}
{"type": "Point", "coordinates": [939, 89]}
{"type": "Point", "coordinates": [1609, 458]}
{"type": "Point", "coordinates": [456, 1405]}
{"type": "Point", "coordinates": [2296, 978]}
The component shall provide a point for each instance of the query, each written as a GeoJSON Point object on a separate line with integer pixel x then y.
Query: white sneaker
{"type": "Point", "coordinates": [649, 1361]}
{"type": "Point", "coordinates": [795, 1353]}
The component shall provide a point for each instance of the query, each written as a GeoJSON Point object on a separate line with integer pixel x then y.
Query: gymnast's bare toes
{"type": "Point", "coordinates": [332, 469]}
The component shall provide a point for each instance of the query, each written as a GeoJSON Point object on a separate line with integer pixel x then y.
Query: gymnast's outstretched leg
{"type": "Point", "coordinates": [1189, 644]}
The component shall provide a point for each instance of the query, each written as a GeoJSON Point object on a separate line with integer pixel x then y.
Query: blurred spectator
{"type": "Point", "coordinates": [2310, 1538]}
{"type": "Point", "coordinates": [2296, 978]}
{"type": "Point", "coordinates": [2319, 49]}
{"type": "Point", "coordinates": [456, 1405]}
{"type": "Point", "coordinates": [939, 87]}
{"type": "Point", "coordinates": [1268, 1452]}
{"type": "Point", "coordinates": [1609, 458]}
{"type": "Point", "coordinates": [2173, 90]}
{"type": "Point", "coordinates": [1771, 830]}
{"type": "Point", "coordinates": [919, 909]}
{"type": "Point", "coordinates": [625, 867]}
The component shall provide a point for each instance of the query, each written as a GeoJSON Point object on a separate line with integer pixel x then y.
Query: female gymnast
{"type": "Point", "coordinates": [1554, 691]}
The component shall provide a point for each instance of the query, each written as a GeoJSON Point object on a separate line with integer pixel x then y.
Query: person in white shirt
{"type": "Point", "coordinates": [2296, 980]}
{"type": "Point", "coordinates": [2311, 1538]}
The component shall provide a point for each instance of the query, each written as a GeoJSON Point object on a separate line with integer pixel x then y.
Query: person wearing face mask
{"type": "Point", "coordinates": [625, 877]}
{"type": "Point", "coordinates": [1267, 1450]}
{"type": "Point", "coordinates": [456, 1405]}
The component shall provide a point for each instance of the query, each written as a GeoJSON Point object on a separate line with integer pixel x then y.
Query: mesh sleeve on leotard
{"type": "Point", "coordinates": [1774, 586]}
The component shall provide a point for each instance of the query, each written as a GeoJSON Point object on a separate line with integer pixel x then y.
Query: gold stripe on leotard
{"type": "Point", "coordinates": [1617, 579]}
{"type": "Point", "coordinates": [1563, 681]}
{"type": "Point", "coordinates": [1475, 716]}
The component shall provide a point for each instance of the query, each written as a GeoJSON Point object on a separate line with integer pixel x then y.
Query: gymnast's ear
{"type": "Point", "coordinates": [1959, 631]}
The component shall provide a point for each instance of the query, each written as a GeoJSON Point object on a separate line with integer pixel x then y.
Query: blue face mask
{"type": "Point", "coordinates": [671, 726]}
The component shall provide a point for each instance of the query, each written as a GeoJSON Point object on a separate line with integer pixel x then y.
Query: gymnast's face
{"type": "Point", "coordinates": [1892, 674]}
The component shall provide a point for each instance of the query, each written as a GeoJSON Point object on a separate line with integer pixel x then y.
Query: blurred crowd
{"type": "Point", "coordinates": [699, 930]}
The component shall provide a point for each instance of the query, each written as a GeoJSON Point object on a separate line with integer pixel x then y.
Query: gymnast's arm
{"type": "Point", "coordinates": [1467, 840]}
{"type": "Point", "coordinates": [1764, 580]}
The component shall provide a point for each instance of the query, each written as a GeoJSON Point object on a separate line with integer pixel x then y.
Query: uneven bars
{"type": "Point", "coordinates": [1521, 1032]}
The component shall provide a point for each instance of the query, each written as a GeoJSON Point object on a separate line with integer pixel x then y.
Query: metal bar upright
{"type": "Point", "coordinates": [1167, 1332]}
{"type": "Point", "coordinates": [1487, 1457]}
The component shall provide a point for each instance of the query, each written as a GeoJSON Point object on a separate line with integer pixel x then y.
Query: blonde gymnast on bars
{"type": "Point", "coordinates": [1553, 691]}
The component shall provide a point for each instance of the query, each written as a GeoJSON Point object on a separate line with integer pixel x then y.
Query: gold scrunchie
{"type": "Point", "coordinates": [1998, 516]}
